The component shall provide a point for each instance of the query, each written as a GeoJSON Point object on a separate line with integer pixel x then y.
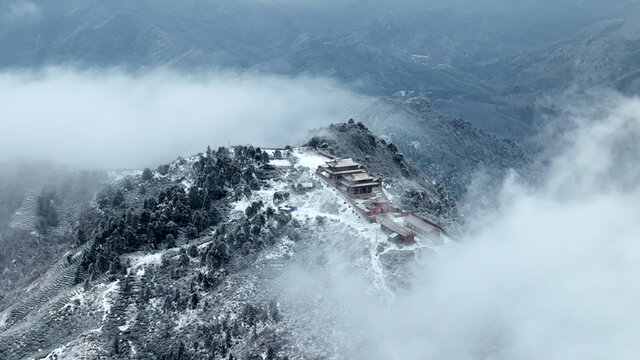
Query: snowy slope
{"type": "Point", "coordinates": [169, 300]}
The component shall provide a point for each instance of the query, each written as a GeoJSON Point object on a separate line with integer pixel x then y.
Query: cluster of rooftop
{"type": "Point", "coordinates": [364, 192]}
{"type": "Point", "coordinates": [351, 177]}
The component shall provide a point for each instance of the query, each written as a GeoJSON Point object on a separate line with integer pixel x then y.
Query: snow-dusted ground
{"type": "Point", "coordinates": [3, 319]}
{"type": "Point", "coordinates": [110, 291]}
{"type": "Point", "coordinates": [280, 162]}
{"type": "Point", "coordinates": [82, 348]}
{"type": "Point", "coordinates": [309, 159]}
{"type": "Point", "coordinates": [327, 203]}
{"type": "Point", "coordinates": [57, 353]}
{"type": "Point", "coordinates": [25, 217]}
{"type": "Point", "coordinates": [143, 259]}
{"type": "Point", "coordinates": [118, 175]}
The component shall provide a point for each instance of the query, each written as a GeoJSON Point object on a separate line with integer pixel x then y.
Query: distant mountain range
{"type": "Point", "coordinates": [606, 54]}
{"type": "Point", "coordinates": [486, 66]}
{"type": "Point", "coordinates": [446, 148]}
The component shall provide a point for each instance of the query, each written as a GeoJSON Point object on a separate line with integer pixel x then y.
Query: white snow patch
{"type": "Point", "coordinates": [187, 183]}
{"type": "Point", "coordinates": [190, 318]}
{"type": "Point", "coordinates": [388, 195]}
{"type": "Point", "coordinates": [115, 176]}
{"type": "Point", "coordinates": [3, 318]}
{"type": "Point", "coordinates": [139, 259]}
{"type": "Point", "coordinates": [155, 303]}
{"type": "Point", "coordinates": [80, 348]}
{"type": "Point", "coordinates": [329, 203]}
{"type": "Point", "coordinates": [281, 250]}
{"type": "Point", "coordinates": [204, 245]}
{"type": "Point", "coordinates": [134, 351]}
{"type": "Point", "coordinates": [72, 302]}
{"type": "Point", "coordinates": [310, 158]}
{"type": "Point", "coordinates": [265, 195]}
{"type": "Point", "coordinates": [107, 297]}
{"type": "Point", "coordinates": [280, 162]}
{"type": "Point", "coordinates": [131, 317]}
{"type": "Point", "coordinates": [56, 353]}
{"type": "Point", "coordinates": [242, 204]}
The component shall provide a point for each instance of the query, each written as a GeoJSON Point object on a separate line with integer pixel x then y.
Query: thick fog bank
{"type": "Point", "coordinates": [553, 274]}
{"type": "Point", "coordinates": [109, 119]}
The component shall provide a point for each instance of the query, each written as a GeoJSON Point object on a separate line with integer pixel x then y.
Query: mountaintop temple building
{"type": "Point", "coordinates": [352, 178]}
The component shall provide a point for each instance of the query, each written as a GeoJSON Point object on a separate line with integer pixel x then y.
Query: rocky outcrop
{"type": "Point", "coordinates": [383, 159]}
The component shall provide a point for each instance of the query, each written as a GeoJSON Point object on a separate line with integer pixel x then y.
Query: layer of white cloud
{"type": "Point", "coordinates": [23, 9]}
{"type": "Point", "coordinates": [111, 119]}
{"type": "Point", "coordinates": [553, 274]}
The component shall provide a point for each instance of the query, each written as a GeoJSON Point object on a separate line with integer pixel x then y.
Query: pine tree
{"type": "Point", "coordinates": [118, 198]}
{"type": "Point", "coordinates": [271, 354]}
{"type": "Point", "coordinates": [147, 174]}
{"type": "Point", "coordinates": [195, 299]}
{"type": "Point", "coordinates": [273, 311]}
{"type": "Point", "coordinates": [127, 184]}
{"type": "Point", "coordinates": [171, 241]}
{"type": "Point", "coordinates": [116, 345]}
{"type": "Point", "coordinates": [45, 208]}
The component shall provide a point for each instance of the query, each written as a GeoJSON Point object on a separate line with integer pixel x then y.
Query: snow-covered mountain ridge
{"type": "Point", "coordinates": [199, 260]}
